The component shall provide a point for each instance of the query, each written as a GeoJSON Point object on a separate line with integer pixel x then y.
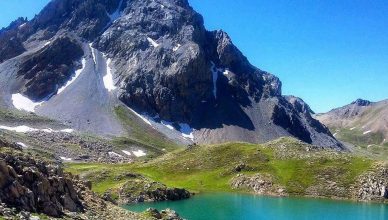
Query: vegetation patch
{"type": "Point", "coordinates": [143, 136]}
{"type": "Point", "coordinates": [210, 168]}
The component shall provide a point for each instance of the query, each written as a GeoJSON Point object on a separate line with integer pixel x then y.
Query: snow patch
{"type": "Point", "coordinates": [353, 128]}
{"type": "Point", "coordinates": [145, 118]}
{"type": "Point", "coordinates": [77, 74]}
{"type": "Point", "coordinates": [108, 78]}
{"type": "Point", "coordinates": [167, 124]}
{"type": "Point", "coordinates": [23, 145]}
{"type": "Point", "coordinates": [47, 43]}
{"type": "Point", "coordinates": [68, 130]}
{"type": "Point", "coordinates": [93, 54]}
{"type": "Point", "coordinates": [176, 47]}
{"type": "Point", "coordinates": [139, 153]}
{"type": "Point", "coordinates": [226, 72]}
{"type": "Point", "coordinates": [66, 159]}
{"type": "Point", "coordinates": [152, 42]}
{"type": "Point", "coordinates": [186, 130]}
{"type": "Point", "coordinates": [367, 132]}
{"type": "Point", "coordinates": [23, 103]}
{"type": "Point", "coordinates": [22, 25]}
{"type": "Point", "coordinates": [335, 134]}
{"type": "Point", "coordinates": [25, 129]}
{"type": "Point", "coordinates": [113, 154]}
{"type": "Point", "coordinates": [127, 152]}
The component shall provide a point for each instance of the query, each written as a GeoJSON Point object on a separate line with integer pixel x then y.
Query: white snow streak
{"type": "Point", "coordinates": [176, 47]}
{"type": "Point", "coordinates": [113, 154]}
{"type": "Point", "coordinates": [93, 54]}
{"type": "Point", "coordinates": [66, 159]}
{"type": "Point", "coordinates": [187, 131]}
{"type": "Point", "coordinates": [108, 78]}
{"type": "Point", "coordinates": [127, 152]}
{"type": "Point", "coordinates": [335, 134]}
{"type": "Point", "coordinates": [139, 153]}
{"type": "Point", "coordinates": [25, 129]}
{"type": "Point", "coordinates": [367, 132]}
{"type": "Point", "coordinates": [152, 42]}
{"type": "Point", "coordinates": [77, 74]}
{"type": "Point", "coordinates": [353, 128]}
{"type": "Point", "coordinates": [167, 124]}
{"type": "Point", "coordinates": [144, 118]}
{"type": "Point", "coordinates": [47, 43]}
{"type": "Point", "coordinates": [23, 103]}
{"type": "Point", "coordinates": [23, 145]}
{"type": "Point", "coordinates": [226, 72]}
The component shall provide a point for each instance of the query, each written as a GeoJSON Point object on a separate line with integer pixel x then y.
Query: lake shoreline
{"type": "Point", "coordinates": [249, 206]}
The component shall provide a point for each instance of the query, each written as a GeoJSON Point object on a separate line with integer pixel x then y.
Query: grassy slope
{"type": "Point", "coordinates": [365, 144]}
{"type": "Point", "coordinates": [143, 136]}
{"type": "Point", "coordinates": [371, 143]}
{"type": "Point", "coordinates": [210, 168]}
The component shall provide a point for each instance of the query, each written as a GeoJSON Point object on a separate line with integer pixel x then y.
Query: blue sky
{"type": "Point", "coordinates": [328, 52]}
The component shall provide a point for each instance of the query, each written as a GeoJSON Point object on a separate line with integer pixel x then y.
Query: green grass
{"type": "Point", "coordinates": [357, 137]}
{"type": "Point", "coordinates": [141, 134]}
{"type": "Point", "coordinates": [210, 168]}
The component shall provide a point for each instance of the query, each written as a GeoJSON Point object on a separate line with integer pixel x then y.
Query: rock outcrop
{"type": "Point", "coordinates": [373, 186]}
{"type": "Point", "coordinates": [261, 184]}
{"type": "Point", "coordinates": [32, 185]}
{"type": "Point", "coordinates": [36, 186]}
{"type": "Point", "coordinates": [138, 189]}
{"type": "Point", "coordinates": [167, 214]}
{"type": "Point", "coordinates": [50, 68]}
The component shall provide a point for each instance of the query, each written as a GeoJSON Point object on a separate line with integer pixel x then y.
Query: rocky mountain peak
{"type": "Point", "coordinates": [164, 64]}
{"type": "Point", "coordinates": [361, 102]}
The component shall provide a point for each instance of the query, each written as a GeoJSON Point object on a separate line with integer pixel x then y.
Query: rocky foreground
{"type": "Point", "coordinates": [32, 187]}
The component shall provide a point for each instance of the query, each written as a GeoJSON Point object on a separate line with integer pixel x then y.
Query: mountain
{"type": "Point", "coordinates": [361, 122]}
{"type": "Point", "coordinates": [78, 61]}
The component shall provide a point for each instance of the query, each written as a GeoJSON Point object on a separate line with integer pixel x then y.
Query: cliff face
{"type": "Point", "coordinates": [165, 65]}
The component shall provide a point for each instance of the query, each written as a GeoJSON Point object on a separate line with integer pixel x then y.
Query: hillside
{"type": "Point", "coordinates": [282, 167]}
{"type": "Point", "coordinates": [362, 123]}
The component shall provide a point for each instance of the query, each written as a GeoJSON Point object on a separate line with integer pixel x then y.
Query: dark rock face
{"type": "Point", "coordinates": [170, 55]}
{"type": "Point", "coordinates": [35, 186]}
{"type": "Point", "coordinates": [50, 68]}
{"type": "Point", "coordinates": [10, 44]}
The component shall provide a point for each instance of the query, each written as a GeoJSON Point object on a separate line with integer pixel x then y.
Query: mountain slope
{"type": "Point", "coordinates": [157, 58]}
{"type": "Point", "coordinates": [362, 122]}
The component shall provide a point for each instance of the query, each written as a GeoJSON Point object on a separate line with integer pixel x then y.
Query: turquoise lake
{"type": "Point", "coordinates": [231, 206]}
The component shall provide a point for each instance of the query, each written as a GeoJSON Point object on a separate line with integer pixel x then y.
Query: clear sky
{"type": "Point", "coordinates": [328, 52]}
